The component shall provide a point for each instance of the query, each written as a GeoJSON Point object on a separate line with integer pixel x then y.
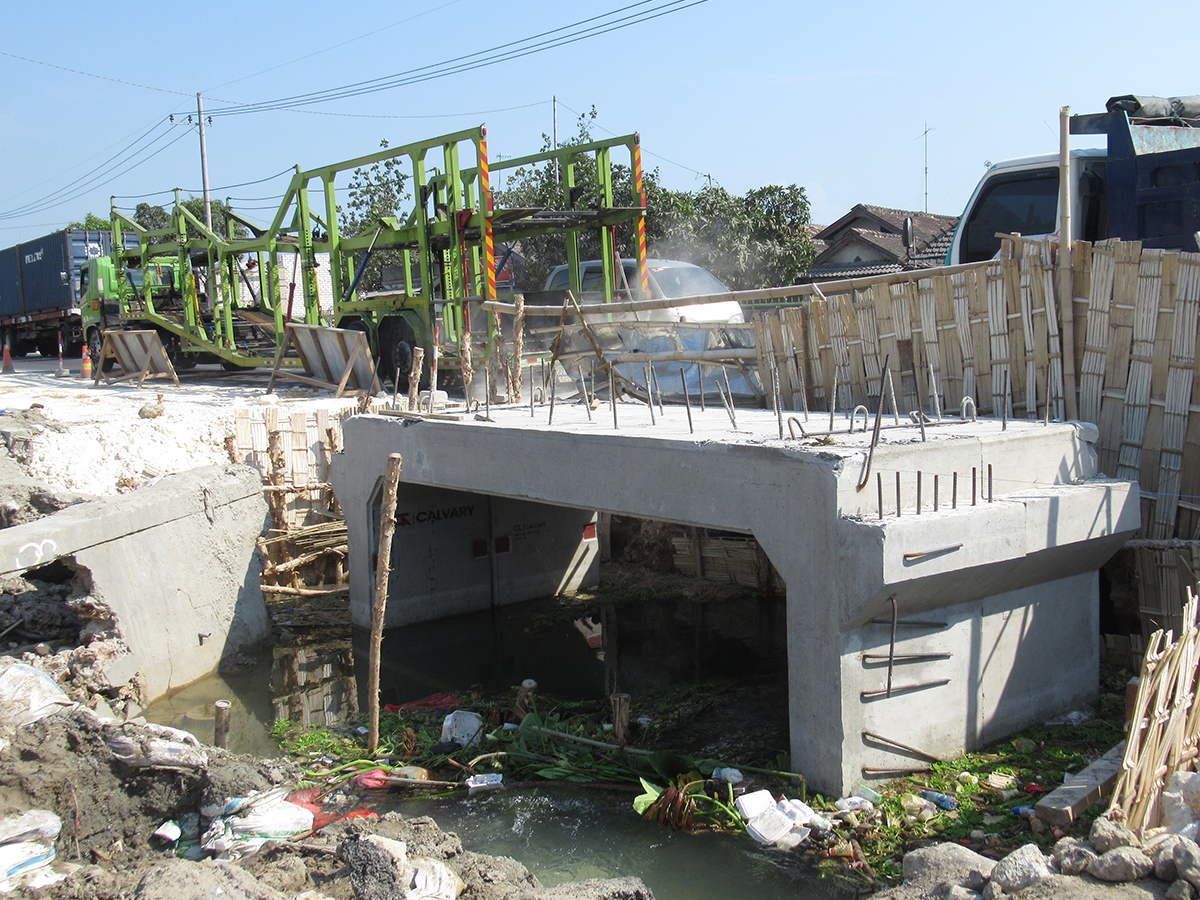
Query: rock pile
{"type": "Point", "coordinates": [1113, 864]}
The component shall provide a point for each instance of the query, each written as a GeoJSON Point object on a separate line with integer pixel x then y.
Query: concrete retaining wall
{"type": "Point", "coordinates": [176, 562]}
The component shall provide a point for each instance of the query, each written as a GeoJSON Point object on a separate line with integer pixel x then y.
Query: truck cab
{"type": "Point", "coordinates": [1144, 186]}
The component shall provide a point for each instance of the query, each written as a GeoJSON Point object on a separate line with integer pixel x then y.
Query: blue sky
{"type": "Point", "coordinates": [835, 97]}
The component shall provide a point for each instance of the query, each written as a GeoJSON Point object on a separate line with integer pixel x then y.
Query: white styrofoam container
{"type": "Point", "coordinates": [769, 826]}
{"type": "Point", "coordinates": [752, 804]}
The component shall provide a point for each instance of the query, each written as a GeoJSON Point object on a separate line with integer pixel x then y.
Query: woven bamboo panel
{"type": "Point", "coordinates": [724, 559]}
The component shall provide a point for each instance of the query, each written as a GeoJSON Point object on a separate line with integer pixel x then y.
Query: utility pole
{"type": "Point", "coordinates": [204, 163]}
{"type": "Point", "coordinates": [554, 100]}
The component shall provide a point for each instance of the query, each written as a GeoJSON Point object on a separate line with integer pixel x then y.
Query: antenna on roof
{"type": "Point", "coordinates": [926, 136]}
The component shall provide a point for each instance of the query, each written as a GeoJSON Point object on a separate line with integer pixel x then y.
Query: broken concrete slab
{"type": "Point", "coordinates": [176, 562]}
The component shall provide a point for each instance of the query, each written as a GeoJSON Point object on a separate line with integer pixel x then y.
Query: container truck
{"type": "Point", "coordinates": [40, 297]}
{"type": "Point", "coordinates": [1143, 186]}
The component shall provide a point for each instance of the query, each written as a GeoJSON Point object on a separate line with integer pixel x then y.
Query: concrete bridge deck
{"type": "Point", "coordinates": [995, 603]}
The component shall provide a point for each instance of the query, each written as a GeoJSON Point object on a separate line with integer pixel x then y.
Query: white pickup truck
{"type": "Point", "coordinates": [1144, 186]}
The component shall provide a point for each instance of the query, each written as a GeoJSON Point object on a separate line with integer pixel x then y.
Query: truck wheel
{"type": "Point", "coordinates": [396, 342]}
{"type": "Point", "coordinates": [48, 346]}
{"type": "Point", "coordinates": [95, 343]}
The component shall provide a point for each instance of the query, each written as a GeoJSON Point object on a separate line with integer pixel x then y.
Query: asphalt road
{"type": "Point", "coordinates": [201, 374]}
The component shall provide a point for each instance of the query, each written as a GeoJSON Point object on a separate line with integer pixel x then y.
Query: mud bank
{"type": "Point", "coordinates": [111, 804]}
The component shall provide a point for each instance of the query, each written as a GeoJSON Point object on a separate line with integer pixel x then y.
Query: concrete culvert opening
{"type": "Point", "coordinates": [51, 619]}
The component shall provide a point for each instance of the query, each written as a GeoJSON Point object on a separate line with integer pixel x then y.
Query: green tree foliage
{"type": "Point", "coordinates": [92, 222]}
{"type": "Point", "coordinates": [375, 192]}
{"type": "Point", "coordinates": [752, 241]}
{"type": "Point", "coordinates": [152, 218]}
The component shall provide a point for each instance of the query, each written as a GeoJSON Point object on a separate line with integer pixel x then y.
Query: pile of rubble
{"type": "Point", "coordinates": [1113, 862]}
{"type": "Point", "coordinates": [93, 808]}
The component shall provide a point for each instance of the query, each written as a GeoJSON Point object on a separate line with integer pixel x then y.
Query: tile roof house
{"type": "Point", "coordinates": [869, 240]}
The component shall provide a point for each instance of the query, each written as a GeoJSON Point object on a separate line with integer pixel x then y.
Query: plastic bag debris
{"type": "Point", "coordinates": [368, 781]}
{"type": "Point", "coordinates": [1074, 717]}
{"type": "Point", "coordinates": [169, 748]}
{"type": "Point", "coordinates": [463, 727]}
{"type": "Point", "coordinates": [729, 774]}
{"type": "Point", "coordinates": [254, 820]}
{"type": "Point", "coordinates": [27, 694]}
{"type": "Point", "coordinates": [36, 824]}
{"type": "Point", "coordinates": [430, 879]}
{"type": "Point", "coordinates": [21, 858]}
{"type": "Point", "coordinates": [858, 804]}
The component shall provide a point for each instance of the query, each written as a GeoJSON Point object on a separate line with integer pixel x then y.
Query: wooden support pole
{"type": "Point", "coordinates": [620, 708]}
{"type": "Point", "coordinates": [221, 725]}
{"type": "Point", "coordinates": [414, 376]}
{"type": "Point", "coordinates": [1065, 281]}
{"type": "Point", "coordinates": [383, 565]}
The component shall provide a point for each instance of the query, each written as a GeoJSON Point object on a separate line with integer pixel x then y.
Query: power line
{"type": "Point", "coordinates": [469, 62]}
{"type": "Point", "coordinates": [38, 62]}
{"type": "Point", "coordinates": [84, 189]}
{"type": "Point", "coordinates": [36, 205]}
{"type": "Point", "coordinates": [367, 34]}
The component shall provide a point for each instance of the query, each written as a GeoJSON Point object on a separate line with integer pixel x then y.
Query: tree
{"type": "Point", "coordinates": [156, 218]}
{"type": "Point", "coordinates": [92, 222]}
{"type": "Point", "coordinates": [754, 241]}
{"type": "Point", "coordinates": [152, 218]}
{"type": "Point", "coordinates": [375, 192]}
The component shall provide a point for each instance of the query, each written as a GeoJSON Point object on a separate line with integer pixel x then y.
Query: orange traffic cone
{"type": "Point", "coordinates": [8, 366]}
{"type": "Point", "coordinates": [86, 371]}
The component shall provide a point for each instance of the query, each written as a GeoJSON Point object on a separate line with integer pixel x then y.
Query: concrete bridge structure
{"type": "Point", "coordinates": [914, 635]}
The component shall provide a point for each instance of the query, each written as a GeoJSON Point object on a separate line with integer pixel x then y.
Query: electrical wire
{"type": "Point", "coordinates": [147, 87]}
{"type": "Point", "coordinates": [575, 32]}
{"type": "Point", "coordinates": [112, 162]}
{"type": "Point", "coordinates": [52, 204]}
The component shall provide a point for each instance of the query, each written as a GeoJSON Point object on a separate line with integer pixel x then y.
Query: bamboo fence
{"type": "Point", "coordinates": [1164, 730]}
{"type": "Point", "coordinates": [993, 331]}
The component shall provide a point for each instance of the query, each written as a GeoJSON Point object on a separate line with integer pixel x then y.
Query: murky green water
{"type": "Point", "coordinates": [568, 834]}
{"type": "Point", "coordinates": [561, 833]}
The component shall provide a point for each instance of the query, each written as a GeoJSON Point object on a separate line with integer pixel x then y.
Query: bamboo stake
{"type": "Point", "coordinates": [1066, 274]}
{"type": "Point", "coordinates": [383, 566]}
{"type": "Point", "coordinates": [414, 375]}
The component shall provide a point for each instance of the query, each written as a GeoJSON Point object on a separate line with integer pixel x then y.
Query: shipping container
{"type": "Point", "coordinates": [39, 289]}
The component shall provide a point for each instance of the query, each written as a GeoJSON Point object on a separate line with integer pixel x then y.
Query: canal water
{"type": "Point", "coordinates": [561, 833]}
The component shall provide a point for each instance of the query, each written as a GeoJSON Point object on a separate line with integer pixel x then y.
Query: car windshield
{"type": "Point", "coordinates": [686, 281]}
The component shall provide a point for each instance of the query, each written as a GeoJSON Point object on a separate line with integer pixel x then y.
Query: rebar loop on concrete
{"type": "Point", "coordinates": [918, 492]}
{"type": "Point", "coordinates": [879, 484]}
{"type": "Point", "coordinates": [587, 401]}
{"type": "Point", "coordinates": [658, 392]}
{"type": "Point", "coordinates": [727, 398]}
{"type": "Point", "coordinates": [897, 495]}
{"type": "Point", "coordinates": [866, 696]}
{"type": "Point", "coordinates": [962, 410]}
{"type": "Point", "coordinates": [553, 393]}
{"type": "Point", "coordinates": [854, 415]}
{"type": "Point", "coordinates": [649, 392]}
{"type": "Point", "coordinates": [935, 493]}
{"type": "Point", "coordinates": [886, 743]}
{"type": "Point", "coordinates": [866, 474]}
{"type": "Point", "coordinates": [933, 394]}
{"type": "Point", "coordinates": [904, 658]}
{"type": "Point", "coordinates": [777, 399]}
{"type": "Point", "coordinates": [792, 420]}
{"type": "Point", "coordinates": [487, 393]}
{"type": "Point", "coordinates": [921, 554]}
{"type": "Point", "coordinates": [1004, 400]}
{"type": "Point", "coordinates": [612, 393]}
{"type": "Point", "coordinates": [687, 400]}
{"type": "Point", "coordinates": [891, 393]}
{"type": "Point", "coordinates": [989, 482]}
{"type": "Point", "coordinates": [892, 644]}
{"type": "Point", "coordinates": [833, 399]}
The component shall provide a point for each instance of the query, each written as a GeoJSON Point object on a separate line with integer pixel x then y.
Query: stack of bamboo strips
{"type": "Point", "coordinates": [1165, 729]}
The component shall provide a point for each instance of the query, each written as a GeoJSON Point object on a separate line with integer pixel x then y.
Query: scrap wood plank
{"type": "Point", "coordinates": [140, 354]}
{"type": "Point", "coordinates": [1179, 391]}
{"type": "Point", "coordinates": [856, 364]}
{"type": "Point", "coordinates": [950, 374]}
{"type": "Point", "coordinates": [868, 328]}
{"type": "Point", "coordinates": [1065, 804]}
{"type": "Point", "coordinates": [337, 359]}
